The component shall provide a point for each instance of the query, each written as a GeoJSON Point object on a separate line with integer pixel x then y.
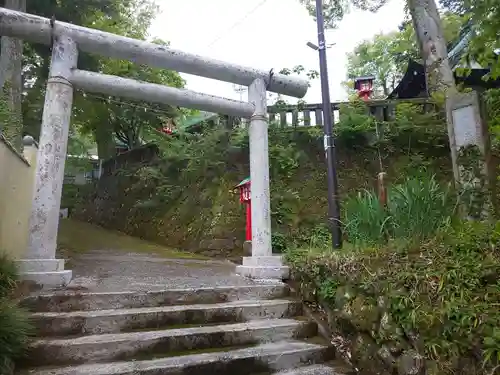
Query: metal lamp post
{"type": "Point", "coordinates": [330, 158]}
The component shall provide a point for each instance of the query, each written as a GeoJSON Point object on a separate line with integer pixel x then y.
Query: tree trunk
{"type": "Point", "coordinates": [105, 142]}
{"type": "Point", "coordinates": [429, 32]}
{"type": "Point", "coordinates": [11, 83]}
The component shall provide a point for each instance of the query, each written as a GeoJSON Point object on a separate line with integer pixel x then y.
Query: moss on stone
{"type": "Point", "coordinates": [11, 125]}
{"type": "Point", "coordinates": [410, 308]}
{"type": "Point", "coordinates": [474, 191]}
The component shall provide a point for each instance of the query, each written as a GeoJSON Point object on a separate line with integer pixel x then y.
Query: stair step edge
{"type": "Point", "coordinates": [174, 308]}
{"type": "Point", "coordinates": [157, 334]}
{"type": "Point", "coordinates": [270, 352]}
{"type": "Point", "coordinates": [313, 370]}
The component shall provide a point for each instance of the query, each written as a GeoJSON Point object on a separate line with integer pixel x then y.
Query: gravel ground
{"type": "Point", "coordinates": [109, 271]}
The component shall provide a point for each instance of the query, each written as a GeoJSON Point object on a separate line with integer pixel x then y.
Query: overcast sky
{"type": "Point", "coordinates": [265, 34]}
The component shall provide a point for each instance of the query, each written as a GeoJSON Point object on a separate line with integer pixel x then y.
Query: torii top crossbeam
{"type": "Point", "coordinates": [40, 30]}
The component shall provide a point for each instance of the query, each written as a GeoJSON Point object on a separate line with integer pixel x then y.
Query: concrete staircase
{"type": "Point", "coordinates": [240, 330]}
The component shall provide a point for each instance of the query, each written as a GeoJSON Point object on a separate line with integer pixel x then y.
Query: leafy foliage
{"type": "Point", "coordinates": [485, 18]}
{"type": "Point", "coordinates": [386, 56]}
{"type": "Point", "coordinates": [417, 208]}
{"type": "Point", "coordinates": [15, 326]}
{"type": "Point", "coordinates": [155, 199]}
{"type": "Point", "coordinates": [437, 297]}
{"type": "Point", "coordinates": [334, 10]}
{"type": "Point", "coordinates": [8, 276]}
{"type": "Point", "coordinates": [107, 117]}
{"type": "Point", "coordinates": [100, 117]}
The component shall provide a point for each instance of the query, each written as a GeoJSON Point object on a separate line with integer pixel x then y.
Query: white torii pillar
{"type": "Point", "coordinates": [262, 264]}
{"type": "Point", "coordinates": [40, 263]}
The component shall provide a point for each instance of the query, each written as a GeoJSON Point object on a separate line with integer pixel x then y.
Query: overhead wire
{"type": "Point", "coordinates": [237, 23]}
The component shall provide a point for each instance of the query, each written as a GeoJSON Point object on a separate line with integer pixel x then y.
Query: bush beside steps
{"type": "Point", "coordinates": [427, 307]}
{"type": "Point", "coordinates": [15, 327]}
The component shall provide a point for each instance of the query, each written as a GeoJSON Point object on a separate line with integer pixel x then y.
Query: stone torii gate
{"type": "Point", "coordinates": [66, 39]}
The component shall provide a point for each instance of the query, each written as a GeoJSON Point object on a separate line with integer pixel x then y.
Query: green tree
{"type": "Point", "coordinates": [376, 57]}
{"type": "Point", "coordinates": [386, 56]}
{"type": "Point", "coordinates": [484, 17]}
{"type": "Point", "coordinates": [108, 118]}
{"type": "Point", "coordinates": [428, 31]}
{"type": "Point", "coordinates": [101, 117]}
{"type": "Point", "coordinates": [36, 57]}
{"type": "Point", "coordinates": [11, 83]}
{"type": "Point", "coordinates": [124, 119]}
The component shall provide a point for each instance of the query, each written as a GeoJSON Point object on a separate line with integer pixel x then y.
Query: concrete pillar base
{"type": "Point", "coordinates": [44, 272]}
{"type": "Point", "coordinates": [264, 267]}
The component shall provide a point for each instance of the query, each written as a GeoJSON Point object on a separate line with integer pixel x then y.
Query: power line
{"type": "Point", "coordinates": [237, 23]}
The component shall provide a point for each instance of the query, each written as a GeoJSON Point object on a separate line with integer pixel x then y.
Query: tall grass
{"type": "Point", "coordinates": [15, 326]}
{"type": "Point", "coordinates": [366, 221]}
{"type": "Point", "coordinates": [416, 209]}
{"type": "Point", "coordinates": [419, 208]}
{"type": "Point", "coordinates": [15, 329]}
{"type": "Point", "coordinates": [8, 276]}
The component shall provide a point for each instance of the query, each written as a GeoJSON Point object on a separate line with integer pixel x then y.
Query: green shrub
{"type": "Point", "coordinates": [15, 329]}
{"type": "Point", "coordinates": [416, 209]}
{"type": "Point", "coordinates": [14, 322]}
{"type": "Point", "coordinates": [278, 242]}
{"type": "Point", "coordinates": [8, 276]}
{"type": "Point", "coordinates": [419, 207]}
{"type": "Point", "coordinates": [365, 220]}
{"type": "Point", "coordinates": [441, 295]}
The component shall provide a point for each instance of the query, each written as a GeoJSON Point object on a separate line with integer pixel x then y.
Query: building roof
{"type": "Point", "coordinates": [195, 120]}
{"type": "Point", "coordinates": [244, 182]}
{"type": "Point", "coordinates": [413, 84]}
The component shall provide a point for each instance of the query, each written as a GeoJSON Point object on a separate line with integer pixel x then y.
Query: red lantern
{"type": "Point", "coordinates": [168, 128]}
{"type": "Point", "coordinates": [364, 86]}
{"type": "Point", "coordinates": [245, 197]}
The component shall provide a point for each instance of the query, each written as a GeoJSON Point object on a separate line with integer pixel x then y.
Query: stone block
{"type": "Point", "coordinates": [48, 279]}
{"type": "Point", "coordinates": [264, 267]}
{"type": "Point", "coordinates": [40, 265]}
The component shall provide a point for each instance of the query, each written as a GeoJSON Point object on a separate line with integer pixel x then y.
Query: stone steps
{"type": "Point", "coordinates": [109, 347]}
{"type": "Point", "coordinates": [86, 301]}
{"type": "Point", "coordinates": [222, 330]}
{"type": "Point", "coordinates": [124, 320]}
{"type": "Point", "coordinates": [313, 370]}
{"type": "Point", "coordinates": [267, 357]}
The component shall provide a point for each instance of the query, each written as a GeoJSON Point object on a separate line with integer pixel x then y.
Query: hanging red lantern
{"type": "Point", "coordinates": [364, 86]}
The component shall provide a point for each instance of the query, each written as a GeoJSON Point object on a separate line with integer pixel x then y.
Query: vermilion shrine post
{"type": "Point", "coordinates": [40, 264]}
{"type": "Point", "coordinates": [244, 188]}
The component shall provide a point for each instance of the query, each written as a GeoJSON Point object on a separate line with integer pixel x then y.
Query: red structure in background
{"type": "Point", "coordinates": [169, 127]}
{"type": "Point", "coordinates": [364, 86]}
{"type": "Point", "coordinates": [245, 187]}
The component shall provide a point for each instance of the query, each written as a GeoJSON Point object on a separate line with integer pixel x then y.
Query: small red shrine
{"type": "Point", "coordinates": [244, 188]}
{"type": "Point", "coordinates": [364, 86]}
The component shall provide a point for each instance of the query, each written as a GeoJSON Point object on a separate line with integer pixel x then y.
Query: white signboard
{"type": "Point", "coordinates": [465, 126]}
